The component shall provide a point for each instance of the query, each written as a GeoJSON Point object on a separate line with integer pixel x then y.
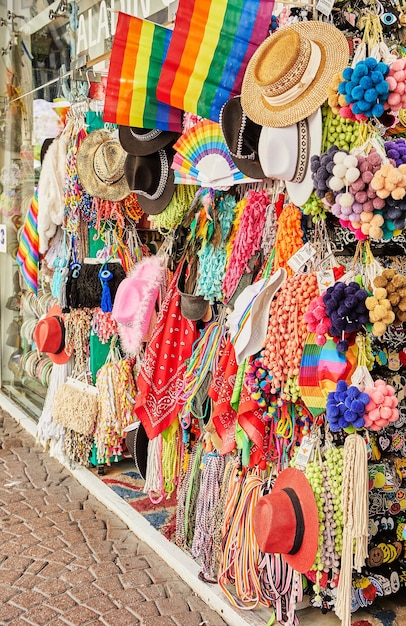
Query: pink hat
{"type": "Point", "coordinates": [135, 301]}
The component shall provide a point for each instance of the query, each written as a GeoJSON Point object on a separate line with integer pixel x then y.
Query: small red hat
{"type": "Point", "coordinates": [49, 336]}
{"type": "Point", "coordinates": [286, 520]}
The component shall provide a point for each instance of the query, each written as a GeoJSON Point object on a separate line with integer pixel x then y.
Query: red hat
{"type": "Point", "coordinates": [49, 336]}
{"type": "Point", "coordinates": [286, 520]}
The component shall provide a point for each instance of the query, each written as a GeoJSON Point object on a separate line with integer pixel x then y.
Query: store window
{"type": "Point", "coordinates": [51, 54]}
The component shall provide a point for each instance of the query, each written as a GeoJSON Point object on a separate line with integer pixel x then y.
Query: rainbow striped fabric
{"type": "Point", "coordinates": [28, 247]}
{"type": "Point", "coordinates": [211, 44]}
{"type": "Point", "coordinates": [138, 53]}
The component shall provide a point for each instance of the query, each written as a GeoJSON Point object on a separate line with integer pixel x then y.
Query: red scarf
{"type": "Point", "coordinates": [221, 389]}
{"type": "Point", "coordinates": [160, 379]}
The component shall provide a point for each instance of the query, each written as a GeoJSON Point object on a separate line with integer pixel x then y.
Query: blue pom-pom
{"type": "Point", "coordinates": [364, 398]}
{"type": "Point", "coordinates": [342, 423]}
{"type": "Point", "coordinates": [332, 411]}
{"type": "Point", "coordinates": [370, 62]}
{"type": "Point", "coordinates": [364, 107]}
{"type": "Point", "coordinates": [382, 89]}
{"type": "Point", "coordinates": [347, 73]}
{"type": "Point", "coordinates": [355, 109]}
{"type": "Point", "coordinates": [358, 92]}
{"type": "Point", "coordinates": [371, 95]}
{"type": "Point", "coordinates": [358, 407]}
{"type": "Point", "coordinates": [335, 427]}
{"type": "Point", "coordinates": [382, 67]}
{"type": "Point", "coordinates": [376, 77]}
{"type": "Point", "coordinates": [342, 88]}
{"type": "Point", "coordinates": [359, 423]}
{"type": "Point", "coordinates": [366, 82]}
{"type": "Point", "coordinates": [353, 392]}
{"type": "Point", "coordinates": [350, 416]}
{"type": "Point", "coordinates": [342, 385]}
{"type": "Point", "coordinates": [342, 346]}
{"type": "Point", "coordinates": [378, 110]}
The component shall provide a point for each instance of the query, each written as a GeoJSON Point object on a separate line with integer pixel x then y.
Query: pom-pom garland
{"type": "Point", "coordinates": [396, 150]}
{"type": "Point", "coordinates": [365, 88]}
{"type": "Point", "coordinates": [345, 408]}
{"type": "Point", "coordinates": [380, 311]}
{"type": "Point", "coordinates": [287, 329]}
{"type": "Point", "coordinates": [317, 321]}
{"type": "Point", "coordinates": [395, 285]}
{"type": "Point", "coordinates": [390, 181]}
{"type": "Point", "coordinates": [382, 407]}
{"type": "Point", "coordinates": [345, 307]}
{"type": "Point", "coordinates": [322, 168]}
{"type": "Point", "coordinates": [396, 80]}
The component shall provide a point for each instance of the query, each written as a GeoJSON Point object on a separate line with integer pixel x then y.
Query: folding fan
{"type": "Point", "coordinates": [202, 154]}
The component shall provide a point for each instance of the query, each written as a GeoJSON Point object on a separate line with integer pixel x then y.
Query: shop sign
{"type": "Point", "coordinates": [98, 23]}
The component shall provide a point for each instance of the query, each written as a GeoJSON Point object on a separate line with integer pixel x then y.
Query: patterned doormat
{"type": "Point", "coordinates": [123, 478]}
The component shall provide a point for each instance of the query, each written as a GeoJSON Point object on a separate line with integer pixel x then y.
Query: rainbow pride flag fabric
{"type": "Point", "coordinates": [28, 247]}
{"type": "Point", "coordinates": [211, 44]}
{"type": "Point", "coordinates": [137, 56]}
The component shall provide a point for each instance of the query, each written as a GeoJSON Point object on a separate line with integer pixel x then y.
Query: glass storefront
{"type": "Point", "coordinates": [52, 56]}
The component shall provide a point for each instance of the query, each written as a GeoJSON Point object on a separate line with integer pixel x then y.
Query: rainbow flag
{"type": "Point", "coordinates": [137, 55]}
{"type": "Point", "coordinates": [211, 44]}
{"type": "Point", "coordinates": [28, 247]}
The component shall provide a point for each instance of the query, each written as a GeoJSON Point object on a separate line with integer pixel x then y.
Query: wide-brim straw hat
{"type": "Point", "coordinates": [287, 77]}
{"type": "Point", "coordinates": [100, 164]}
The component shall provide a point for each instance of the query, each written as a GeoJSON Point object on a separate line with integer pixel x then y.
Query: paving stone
{"type": "Point", "coordinates": [106, 568]}
{"type": "Point", "coordinates": [84, 591]}
{"type": "Point", "coordinates": [119, 617]}
{"type": "Point", "coordinates": [40, 615]}
{"type": "Point", "coordinates": [26, 581]}
{"type": "Point", "coordinates": [37, 551]}
{"type": "Point", "coordinates": [8, 576]}
{"type": "Point", "coordinates": [162, 620]}
{"type": "Point", "coordinates": [28, 599]}
{"type": "Point", "coordinates": [132, 562]}
{"type": "Point", "coordinates": [12, 547]}
{"type": "Point", "coordinates": [61, 556]}
{"type": "Point", "coordinates": [144, 609]}
{"type": "Point", "coordinates": [80, 615]}
{"type": "Point", "coordinates": [136, 578]}
{"type": "Point", "coordinates": [6, 592]}
{"type": "Point", "coordinates": [9, 612]}
{"type": "Point", "coordinates": [52, 587]}
{"type": "Point", "coordinates": [128, 597]}
{"type": "Point", "coordinates": [110, 584]}
{"type": "Point", "coordinates": [160, 573]}
{"type": "Point", "coordinates": [61, 603]}
{"type": "Point", "coordinates": [77, 576]}
{"type": "Point", "coordinates": [187, 619]}
{"type": "Point", "coordinates": [153, 592]}
{"type": "Point", "coordinates": [53, 570]}
{"type": "Point", "coordinates": [210, 618]}
{"type": "Point", "coordinates": [177, 586]}
{"type": "Point", "coordinates": [169, 606]}
{"type": "Point", "coordinates": [100, 604]}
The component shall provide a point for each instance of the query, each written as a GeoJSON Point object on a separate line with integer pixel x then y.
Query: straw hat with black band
{"type": "Point", "coordinates": [287, 77]}
{"type": "Point", "coordinates": [100, 164]}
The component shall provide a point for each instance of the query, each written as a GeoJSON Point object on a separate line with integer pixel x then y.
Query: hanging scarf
{"type": "Point", "coordinates": [250, 418]}
{"type": "Point", "coordinates": [224, 417]}
{"type": "Point", "coordinates": [160, 380]}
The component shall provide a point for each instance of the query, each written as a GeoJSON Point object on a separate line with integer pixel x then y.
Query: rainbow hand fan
{"type": "Point", "coordinates": [202, 155]}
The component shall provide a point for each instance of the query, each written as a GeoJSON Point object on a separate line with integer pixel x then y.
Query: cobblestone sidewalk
{"type": "Point", "coordinates": [66, 559]}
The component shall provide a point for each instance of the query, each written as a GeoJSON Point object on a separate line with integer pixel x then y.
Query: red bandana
{"type": "Point", "coordinates": [160, 380]}
{"type": "Point", "coordinates": [221, 389]}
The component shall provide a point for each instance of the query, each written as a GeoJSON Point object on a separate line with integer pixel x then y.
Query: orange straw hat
{"type": "Point", "coordinates": [287, 77]}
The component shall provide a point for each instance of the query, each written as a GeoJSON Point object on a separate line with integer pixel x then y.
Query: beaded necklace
{"type": "Point", "coordinates": [209, 493]}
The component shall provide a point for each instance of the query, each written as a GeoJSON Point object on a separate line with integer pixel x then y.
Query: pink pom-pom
{"type": "Point", "coordinates": [385, 413]}
{"type": "Point", "coordinates": [377, 396]}
{"type": "Point", "coordinates": [371, 406]}
{"type": "Point", "coordinates": [392, 83]}
{"type": "Point", "coordinates": [399, 76]}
